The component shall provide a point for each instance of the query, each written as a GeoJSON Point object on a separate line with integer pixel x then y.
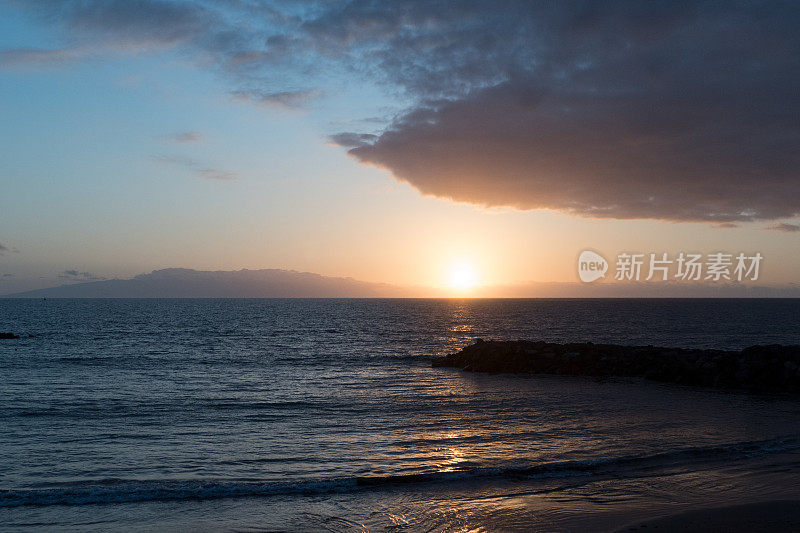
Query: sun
{"type": "Point", "coordinates": [462, 276]}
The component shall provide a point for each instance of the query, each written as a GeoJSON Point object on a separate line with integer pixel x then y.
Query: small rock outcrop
{"type": "Point", "coordinates": [771, 368]}
{"type": "Point", "coordinates": [8, 335]}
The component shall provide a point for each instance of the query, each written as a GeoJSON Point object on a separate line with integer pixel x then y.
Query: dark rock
{"type": "Point", "coordinates": [772, 368]}
{"type": "Point", "coordinates": [8, 335]}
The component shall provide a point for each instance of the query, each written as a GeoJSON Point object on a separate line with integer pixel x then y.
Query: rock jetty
{"type": "Point", "coordinates": [771, 368]}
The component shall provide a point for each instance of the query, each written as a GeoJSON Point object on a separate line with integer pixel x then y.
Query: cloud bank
{"type": "Point", "coordinates": [631, 110]}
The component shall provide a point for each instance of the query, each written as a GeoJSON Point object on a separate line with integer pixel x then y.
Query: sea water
{"type": "Point", "coordinates": [326, 415]}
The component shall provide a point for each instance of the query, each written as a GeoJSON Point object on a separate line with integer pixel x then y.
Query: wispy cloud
{"type": "Point", "coordinates": [4, 249]}
{"type": "Point", "coordinates": [299, 99]}
{"type": "Point", "coordinates": [784, 227]}
{"type": "Point", "coordinates": [216, 174]}
{"type": "Point", "coordinates": [200, 170]}
{"type": "Point", "coordinates": [351, 140]}
{"type": "Point", "coordinates": [177, 160]}
{"type": "Point", "coordinates": [184, 137]}
{"type": "Point", "coordinates": [36, 57]}
{"type": "Point", "coordinates": [75, 275]}
{"type": "Point", "coordinates": [96, 27]}
{"type": "Point", "coordinates": [129, 23]}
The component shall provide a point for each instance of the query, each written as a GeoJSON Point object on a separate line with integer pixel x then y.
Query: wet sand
{"type": "Point", "coordinates": [774, 517]}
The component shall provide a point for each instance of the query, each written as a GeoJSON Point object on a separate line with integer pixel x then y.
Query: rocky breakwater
{"type": "Point", "coordinates": [772, 368]}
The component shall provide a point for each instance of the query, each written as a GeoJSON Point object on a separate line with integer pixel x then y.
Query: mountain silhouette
{"type": "Point", "coordinates": [188, 283]}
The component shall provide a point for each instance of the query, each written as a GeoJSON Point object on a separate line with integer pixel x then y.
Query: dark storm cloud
{"type": "Point", "coordinates": [670, 111]}
{"type": "Point", "coordinates": [667, 110]}
{"type": "Point", "coordinates": [523, 145]}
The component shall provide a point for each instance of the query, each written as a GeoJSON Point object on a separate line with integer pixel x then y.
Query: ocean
{"type": "Point", "coordinates": [326, 415]}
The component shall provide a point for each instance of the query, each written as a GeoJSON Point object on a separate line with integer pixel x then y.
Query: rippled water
{"type": "Point", "coordinates": [326, 414]}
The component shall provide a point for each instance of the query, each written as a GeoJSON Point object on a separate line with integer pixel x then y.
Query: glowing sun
{"type": "Point", "coordinates": [462, 276]}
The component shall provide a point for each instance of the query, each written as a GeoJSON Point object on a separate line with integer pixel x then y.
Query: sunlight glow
{"type": "Point", "coordinates": [462, 276]}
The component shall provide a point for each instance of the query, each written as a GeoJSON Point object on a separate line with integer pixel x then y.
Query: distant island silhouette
{"type": "Point", "coordinates": [188, 283]}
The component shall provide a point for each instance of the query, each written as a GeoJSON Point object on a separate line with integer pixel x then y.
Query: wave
{"type": "Point", "coordinates": [112, 491]}
{"type": "Point", "coordinates": [99, 409]}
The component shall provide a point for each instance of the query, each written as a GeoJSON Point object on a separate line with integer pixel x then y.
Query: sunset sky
{"type": "Point", "coordinates": [393, 143]}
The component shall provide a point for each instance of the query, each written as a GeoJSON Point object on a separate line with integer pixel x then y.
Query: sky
{"type": "Point", "coordinates": [416, 143]}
